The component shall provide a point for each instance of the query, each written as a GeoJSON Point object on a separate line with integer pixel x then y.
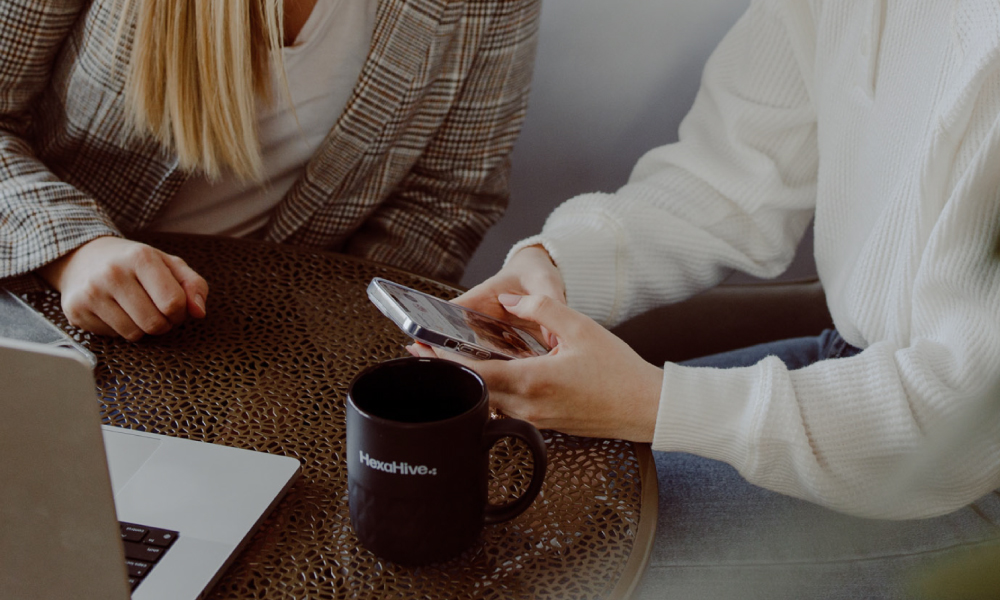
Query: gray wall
{"type": "Point", "coordinates": [613, 79]}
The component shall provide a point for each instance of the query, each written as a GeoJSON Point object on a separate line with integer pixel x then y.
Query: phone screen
{"type": "Point", "coordinates": [463, 324]}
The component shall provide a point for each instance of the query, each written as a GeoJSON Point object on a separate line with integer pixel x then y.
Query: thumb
{"type": "Point", "coordinates": [551, 315]}
{"type": "Point", "coordinates": [195, 286]}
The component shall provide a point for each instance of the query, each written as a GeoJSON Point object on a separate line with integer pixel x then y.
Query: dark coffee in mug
{"type": "Point", "coordinates": [418, 441]}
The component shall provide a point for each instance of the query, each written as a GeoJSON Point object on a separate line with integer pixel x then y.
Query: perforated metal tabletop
{"type": "Point", "coordinates": [268, 370]}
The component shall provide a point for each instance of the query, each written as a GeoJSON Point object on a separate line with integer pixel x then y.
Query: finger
{"type": "Point", "coordinates": [500, 376]}
{"type": "Point", "coordinates": [194, 285]}
{"type": "Point", "coordinates": [88, 321]}
{"type": "Point", "coordinates": [496, 374]}
{"type": "Point", "coordinates": [132, 298]}
{"type": "Point", "coordinates": [484, 301]}
{"type": "Point", "coordinates": [505, 381]}
{"type": "Point", "coordinates": [163, 288]}
{"type": "Point", "coordinates": [97, 311]}
{"type": "Point", "coordinates": [495, 383]}
{"type": "Point", "coordinates": [511, 405]}
{"type": "Point", "coordinates": [115, 317]}
{"type": "Point", "coordinates": [470, 297]}
{"type": "Point", "coordinates": [488, 304]}
{"type": "Point", "coordinates": [551, 315]}
{"type": "Point", "coordinates": [548, 338]}
{"type": "Point", "coordinates": [421, 351]}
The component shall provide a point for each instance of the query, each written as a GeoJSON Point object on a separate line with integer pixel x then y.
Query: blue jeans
{"type": "Point", "coordinates": [719, 537]}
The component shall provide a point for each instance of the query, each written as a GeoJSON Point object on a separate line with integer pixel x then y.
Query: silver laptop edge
{"type": "Point", "coordinates": [215, 496]}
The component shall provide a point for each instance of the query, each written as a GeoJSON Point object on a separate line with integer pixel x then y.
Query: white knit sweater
{"type": "Point", "coordinates": [881, 119]}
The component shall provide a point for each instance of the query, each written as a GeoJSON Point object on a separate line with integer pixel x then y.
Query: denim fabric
{"type": "Point", "coordinates": [719, 537]}
{"type": "Point", "coordinates": [795, 353]}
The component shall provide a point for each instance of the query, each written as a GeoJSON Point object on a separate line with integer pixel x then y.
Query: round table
{"type": "Point", "coordinates": [268, 369]}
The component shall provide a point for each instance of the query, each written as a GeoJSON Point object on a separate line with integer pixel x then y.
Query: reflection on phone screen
{"type": "Point", "coordinates": [462, 324]}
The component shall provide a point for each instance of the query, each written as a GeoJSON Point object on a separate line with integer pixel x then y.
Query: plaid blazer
{"type": "Point", "coordinates": [413, 173]}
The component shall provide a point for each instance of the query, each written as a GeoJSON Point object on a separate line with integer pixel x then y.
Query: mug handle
{"type": "Point", "coordinates": [501, 428]}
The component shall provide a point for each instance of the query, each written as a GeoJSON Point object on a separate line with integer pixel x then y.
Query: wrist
{"type": "Point", "coordinates": [648, 396]}
{"type": "Point", "coordinates": [532, 245]}
{"type": "Point", "coordinates": [54, 272]}
{"type": "Point", "coordinates": [537, 250]}
{"type": "Point", "coordinates": [539, 271]}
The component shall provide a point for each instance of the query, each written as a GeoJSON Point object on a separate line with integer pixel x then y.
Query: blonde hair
{"type": "Point", "coordinates": [196, 70]}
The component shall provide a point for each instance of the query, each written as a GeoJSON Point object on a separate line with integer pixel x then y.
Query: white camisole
{"type": "Point", "coordinates": [322, 67]}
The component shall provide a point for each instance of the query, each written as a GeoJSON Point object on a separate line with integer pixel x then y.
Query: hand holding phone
{"type": "Point", "coordinates": [529, 272]}
{"type": "Point", "coordinates": [446, 325]}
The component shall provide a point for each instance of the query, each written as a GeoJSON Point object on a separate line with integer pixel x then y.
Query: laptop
{"type": "Point", "coordinates": [74, 494]}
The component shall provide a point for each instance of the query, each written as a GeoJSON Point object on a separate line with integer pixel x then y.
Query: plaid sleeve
{"type": "Point", "coordinates": [436, 217]}
{"type": "Point", "coordinates": [41, 217]}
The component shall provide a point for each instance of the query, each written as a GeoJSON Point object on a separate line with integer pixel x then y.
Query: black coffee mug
{"type": "Point", "coordinates": [418, 442]}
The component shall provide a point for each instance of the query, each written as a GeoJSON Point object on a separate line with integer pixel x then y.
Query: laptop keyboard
{"type": "Point", "coordinates": [144, 546]}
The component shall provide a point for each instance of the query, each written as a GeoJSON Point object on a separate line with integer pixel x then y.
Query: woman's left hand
{"type": "Point", "coordinates": [591, 383]}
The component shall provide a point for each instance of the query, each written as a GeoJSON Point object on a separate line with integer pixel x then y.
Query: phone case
{"type": "Point", "coordinates": [388, 307]}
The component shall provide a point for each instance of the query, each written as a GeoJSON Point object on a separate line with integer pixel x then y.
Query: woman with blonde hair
{"type": "Point", "coordinates": [380, 128]}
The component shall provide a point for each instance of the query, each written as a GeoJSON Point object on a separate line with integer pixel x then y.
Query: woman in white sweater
{"type": "Point", "coordinates": [880, 121]}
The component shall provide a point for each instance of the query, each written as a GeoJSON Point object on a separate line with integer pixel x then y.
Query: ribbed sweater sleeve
{"type": "Point", "coordinates": [736, 192]}
{"type": "Point", "coordinates": [887, 129]}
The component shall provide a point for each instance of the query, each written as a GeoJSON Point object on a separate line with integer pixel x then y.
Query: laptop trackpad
{"type": "Point", "coordinates": [126, 454]}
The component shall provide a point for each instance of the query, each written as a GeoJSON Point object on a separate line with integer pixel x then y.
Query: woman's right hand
{"type": "Point", "coordinates": [530, 272]}
{"type": "Point", "coordinates": [114, 286]}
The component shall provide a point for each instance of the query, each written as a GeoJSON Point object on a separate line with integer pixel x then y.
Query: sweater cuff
{"type": "Point", "coordinates": [586, 247]}
{"type": "Point", "coordinates": [709, 412]}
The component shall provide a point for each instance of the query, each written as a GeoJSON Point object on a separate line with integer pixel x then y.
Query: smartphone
{"type": "Point", "coordinates": [442, 324]}
{"type": "Point", "coordinates": [20, 321]}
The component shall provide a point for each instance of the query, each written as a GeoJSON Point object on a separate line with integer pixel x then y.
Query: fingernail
{"type": "Point", "coordinates": [200, 302]}
{"type": "Point", "coordinates": [508, 299]}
